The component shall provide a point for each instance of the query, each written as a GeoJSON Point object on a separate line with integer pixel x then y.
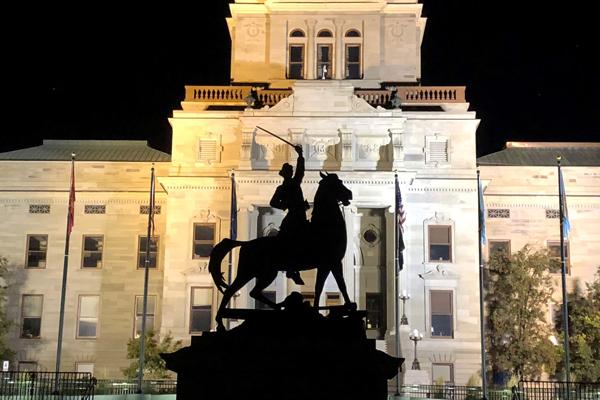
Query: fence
{"type": "Point", "coordinates": [46, 385]}
{"type": "Point", "coordinates": [129, 386]}
{"type": "Point", "coordinates": [452, 392]}
{"type": "Point", "coordinates": [544, 390]}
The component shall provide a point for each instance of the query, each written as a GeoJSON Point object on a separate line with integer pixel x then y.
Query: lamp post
{"type": "Point", "coordinates": [415, 336]}
{"type": "Point", "coordinates": [404, 296]}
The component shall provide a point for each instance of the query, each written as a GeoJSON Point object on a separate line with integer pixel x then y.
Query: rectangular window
{"type": "Point", "coordinates": [436, 149]}
{"type": "Point", "coordinates": [207, 150]}
{"type": "Point", "coordinates": [442, 325]}
{"type": "Point", "coordinates": [440, 243]}
{"type": "Point", "coordinates": [554, 250]}
{"type": "Point", "coordinates": [374, 308]}
{"type": "Point", "coordinates": [269, 294]}
{"type": "Point", "coordinates": [296, 66]}
{"type": "Point", "coordinates": [37, 248]}
{"type": "Point", "coordinates": [31, 312]}
{"type": "Point", "coordinates": [139, 313]}
{"type": "Point", "coordinates": [28, 366]}
{"type": "Point", "coordinates": [324, 57]}
{"type": "Point", "coordinates": [333, 299]}
{"type": "Point", "coordinates": [353, 61]}
{"type": "Point", "coordinates": [142, 247]}
{"type": "Point", "coordinates": [201, 309]}
{"type": "Point", "coordinates": [92, 251]}
{"type": "Point", "coordinates": [87, 316]}
{"type": "Point", "coordinates": [84, 367]}
{"type": "Point", "coordinates": [442, 374]}
{"type": "Point", "coordinates": [499, 246]}
{"type": "Point", "coordinates": [204, 240]}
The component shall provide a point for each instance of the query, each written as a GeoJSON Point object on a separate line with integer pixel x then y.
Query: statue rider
{"type": "Point", "coordinates": [288, 196]}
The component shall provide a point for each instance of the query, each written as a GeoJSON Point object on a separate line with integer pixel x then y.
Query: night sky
{"type": "Point", "coordinates": [116, 73]}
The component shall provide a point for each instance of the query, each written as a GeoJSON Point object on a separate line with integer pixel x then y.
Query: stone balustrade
{"type": "Point", "coordinates": [410, 95]}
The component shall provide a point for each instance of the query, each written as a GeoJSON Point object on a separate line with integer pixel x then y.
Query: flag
{"type": "Point", "coordinates": [151, 206]}
{"type": "Point", "coordinates": [71, 212]}
{"type": "Point", "coordinates": [566, 225]}
{"type": "Point", "coordinates": [400, 219]}
{"type": "Point", "coordinates": [482, 232]}
{"type": "Point", "coordinates": [233, 226]}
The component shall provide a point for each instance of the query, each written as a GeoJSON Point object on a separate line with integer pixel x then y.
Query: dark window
{"type": "Point", "coordinates": [324, 53]}
{"type": "Point", "coordinates": [92, 251]}
{"type": "Point", "coordinates": [204, 240]}
{"type": "Point", "coordinates": [139, 313]}
{"type": "Point", "coordinates": [499, 246]}
{"type": "Point", "coordinates": [353, 33]}
{"type": "Point", "coordinates": [200, 309]}
{"type": "Point", "coordinates": [324, 33]}
{"type": "Point", "coordinates": [143, 243]}
{"type": "Point", "coordinates": [31, 324]}
{"type": "Point", "coordinates": [259, 305]}
{"type": "Point", "coordinates": [554, 250]}
{"type": "Point", "coordinates": [353, 61]}
{"type": "Point", "coordinates": [440, 243]}
{"type": "Point", "coordinates": [374, 306]}
{"type": "Point", "coordinates": [297, 33]}
{"type": "Point", "coordinates": [37, 247]}
{"type": "Point", "coordinates": [296, 64]}
{"type": "Point", "coordinates": [441, 314]}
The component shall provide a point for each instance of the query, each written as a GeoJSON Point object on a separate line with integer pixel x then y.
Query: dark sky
{"type": "Point", "coordinates": [116, 73]}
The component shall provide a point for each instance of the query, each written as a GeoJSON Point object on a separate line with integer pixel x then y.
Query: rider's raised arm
{"type": "Point", "coordinates": [299, 175]}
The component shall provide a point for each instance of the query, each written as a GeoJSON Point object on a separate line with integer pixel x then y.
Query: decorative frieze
{"type": "Point", "coordinates": [95, 209]}
{"type": "Point", "coordinates": [39, 209]}
{"type": "Point", "coordinates": [552, 214]}
{"type": "Point", "coordinates": [498, 213]}
{"type": "Point", "coordinates": [145, 209]}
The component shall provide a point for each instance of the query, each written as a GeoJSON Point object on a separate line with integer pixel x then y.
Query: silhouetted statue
{"type": "Point", "coordinates": [323, 248]}
{"type": "Point", "coordinates": [294, 227]}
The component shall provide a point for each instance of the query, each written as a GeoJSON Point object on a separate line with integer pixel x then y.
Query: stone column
{"type": "Point", "coordinates": [310, 50]}
{"type": "Point", "coordinates": [339, 49]}
{"type": "Point", "coordinates": [347, 149]}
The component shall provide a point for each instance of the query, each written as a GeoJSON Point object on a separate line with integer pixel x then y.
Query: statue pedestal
{"type": "Point", "coordinates": [417, 377]}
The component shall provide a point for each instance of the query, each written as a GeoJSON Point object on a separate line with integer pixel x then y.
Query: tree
{"type": "Point", "coordinates": [519, 289]}
{"type": "Point", "coordinates": [154, 365]}
{"type": "Point", "coordinates": [5, 324]}
{"type": "Point", "coordinates": [584, 331]}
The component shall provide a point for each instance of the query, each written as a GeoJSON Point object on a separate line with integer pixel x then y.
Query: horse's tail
{"type": "Point", "coordinates": [216, 257]}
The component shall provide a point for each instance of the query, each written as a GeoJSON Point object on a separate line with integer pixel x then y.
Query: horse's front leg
{"type": "Point", "coordinates": [322, 273]}
{"type": "Point", "coordinates": [338, 274]}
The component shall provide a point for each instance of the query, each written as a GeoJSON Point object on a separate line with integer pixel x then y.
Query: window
{"type": "Point", "coordinates": [352, 33]}
{"type": "Point", "coordinates": [28, 366]}
{"type": "Point", "coordinates": [324, 33]}
{"type": "Point", "coordinates": [142, 247]}
{"type": "Point", "coordinates": [92, 251]}
{"type": "Point", "coordinates": [308, 297]}
{"type": "Point", "coordinates": [440, 243]}
{"type": "Point", "coordinates": [374, 308]}
{"type": "Point", "coordinates": [353, 61]}
{"type": "Point", "coordinates": [441, 314]}
{"type": "Point", "coordinates": [87, 316]}
{"type": "Point", "coordinates": [201, 309]}
{"type": "Point", "coordinates": [442, 374]}
{"type": "Point", "coordinates": [37, 247]}
{"type": "Point", "coordinates": [324, 57]}
{"type": "Point", "coordinates": [84, 367]}
{"type": "Point", "coordinates": [296, 63]}
{"type": "Point", "coordinates": [31, 311]}
{"type": "Point", "coordinates": [207, 150]}
{"type": "Point", "coordinates": [204, 240]}
{"type": "Point", "coordinates": [436, 150]}
{"type": "Point", "coordinates": [333, 299]}
{"type": "Point", "coordinates": [269, 294]}
{"type": "Point", "coordinates": [297, 33]}
{"type": "Point", "coordinates": [139, 313]}
{"type": "Point", "coordinates": [554, 250]}
{"type": "Point", "coordinates": [499, 245]}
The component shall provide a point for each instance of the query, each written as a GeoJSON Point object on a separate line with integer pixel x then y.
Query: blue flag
{"type": "Point", "coordinates": [563, 201]}
{"type": "Point", "coordinates": [233, 217]}
{"type": "Point", "coordinates": [400, 218]}
{"type": "Point", "coordinates": [482, 233]}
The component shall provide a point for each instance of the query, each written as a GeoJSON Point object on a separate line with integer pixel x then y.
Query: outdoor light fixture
{"type": "Point", "coordinates": [404, 296]}
{"type": "Point", "coordinates": [415, 336]}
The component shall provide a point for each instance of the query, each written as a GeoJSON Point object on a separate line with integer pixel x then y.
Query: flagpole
{"type": "Point", "coordinates": [232, 230]}
{"type": "Point", "coordinates": [149, 240]}
{"type": "Point", "coordinates": [480, 207]}
{"type": "Point", "coordinates": [397, 268]}
{"type": "Point", "coordinates": [63, 293]}
{"type": "Point", "coordinates": [563, 273]}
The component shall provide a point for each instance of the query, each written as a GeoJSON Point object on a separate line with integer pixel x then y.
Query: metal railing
{"type": "Point", "coordinates": [46, 385]}
{"type": "Point", "coordinates": [546, 390]}
{"type": "Point", "coordinates": [452, 392]}
{"type": "Point", "coordinates": [130, 386]}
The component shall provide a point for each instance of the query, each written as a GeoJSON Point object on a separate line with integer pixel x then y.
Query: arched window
{"type": "Point", "coordinates": [325, 42]}
{"type": "Point", "coordinates": [296, 54]}
{"type": "Point", "coordinates": [353, 54]}
{"type": "Point", "coordinates": [297, 33]}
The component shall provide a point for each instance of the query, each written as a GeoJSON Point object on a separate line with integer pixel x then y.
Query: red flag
{"type": "Point", "coordinates": [71, 215]}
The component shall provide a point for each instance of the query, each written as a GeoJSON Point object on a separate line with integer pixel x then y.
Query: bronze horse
{"type": "Point", "coordinates": [263, 257]}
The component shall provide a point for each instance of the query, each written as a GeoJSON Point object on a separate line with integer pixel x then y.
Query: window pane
{"type": "Point", "coordinates": [138, 325]}
{"type": "Point", "coordinates": [373, 310]}
{"type": "Point", "coordinates": [296, 71]}
{"type": "Point", "coordinates": [441, 313]}
{"type": "Point", "coordinates": [439, 234]}
{"type": "Point", "coordinates": [201, 296]}
{"type": "Point", "coordinates": [38, 242]}
{"type": "Point", "coordinates": [32, 305]}
{"type": "Point", "coordinates": [89, 306]}
{"type": "Point", "coordinates": [353, 53]}
{"type": "Point", "coordinates": [297, 54]}
{"type": "Point", "coordinates": [499, 246]}
{"type": "Point", "coordinates": [87, 327]}
{"type": "Point", "coordinates": [31, 328]}
{"type": "Point", "coordinates": [325, 33]}
{"type": "Point", "coordinates": [92, 243]}
{"type": "Point", "coordinates": [297, 33]}
{"type": "Point", "coordinates": [202, 250]}
{"type": "Point", "coordinates": [204, 232]}
{"type": "Point", "coordinates": [441, 373]}
{"type": "Point", "coordinates": [441, 325]}
{"type": "Point", "coordinates": [441, 302]}
{"type": "Point", "coordinates": [139, 305]}
{"type": "Point", "coordinates": [323, 53]}
{"type": "Point", "coordinates": [439, 252]}
{"type": "Point", "coordinates": [201, 317]}
{"type": "Point", "coordinates": [352, 33]}
{"type": "Point", "coordinates": [353, 71]}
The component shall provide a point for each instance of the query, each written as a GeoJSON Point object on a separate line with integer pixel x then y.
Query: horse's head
{"type": "Point", "coordinates": [336, 187]}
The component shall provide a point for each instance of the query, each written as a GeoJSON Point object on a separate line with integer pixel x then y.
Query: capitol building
{"type": "Point", "coordinates": [342, 80]}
